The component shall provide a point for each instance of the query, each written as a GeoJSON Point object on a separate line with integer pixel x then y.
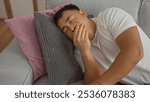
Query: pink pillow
{"type": "Point", "coordinates": [23, 29]}
{"type": "Point", "coordinates": [60, 5]}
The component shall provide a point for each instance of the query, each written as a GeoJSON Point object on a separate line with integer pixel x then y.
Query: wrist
{"type": "Point", "coordinates": [87, 52]}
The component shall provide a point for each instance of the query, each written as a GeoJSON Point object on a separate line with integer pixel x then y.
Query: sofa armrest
{"type": "Point", "coordinates": [14, 67]}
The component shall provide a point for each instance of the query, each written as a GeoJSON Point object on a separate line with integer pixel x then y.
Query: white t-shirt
{"type": "Point", "coordinates": [110, 24]}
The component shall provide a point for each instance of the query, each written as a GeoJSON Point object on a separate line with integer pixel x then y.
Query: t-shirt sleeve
{"type": "Point", "coordinates": [118, 20]}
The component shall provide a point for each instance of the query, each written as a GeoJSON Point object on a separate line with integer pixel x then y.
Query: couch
{"type": "Point", "coordinates": [14, 66]}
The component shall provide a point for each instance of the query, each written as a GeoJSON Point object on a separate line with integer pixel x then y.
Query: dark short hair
{"type": "Point", "coordinates": [58, 14]}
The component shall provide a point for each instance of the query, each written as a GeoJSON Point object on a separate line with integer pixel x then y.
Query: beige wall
{"type": "Point", "coordinates": [2, 10]}
{"type": "Point", "coordinates": [21, 7]}
{"type": "Point", "coordinates": [41, 4]}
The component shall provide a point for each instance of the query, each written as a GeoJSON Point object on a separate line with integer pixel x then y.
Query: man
{"type": "Point", "coordinates": [110, 48]}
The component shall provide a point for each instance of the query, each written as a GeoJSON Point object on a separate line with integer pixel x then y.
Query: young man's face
{"type": "Point", "coordinates": [71, 20]}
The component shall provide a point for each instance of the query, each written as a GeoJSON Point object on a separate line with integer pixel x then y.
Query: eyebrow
{"type": "Point", "coordinates": [67, 18]}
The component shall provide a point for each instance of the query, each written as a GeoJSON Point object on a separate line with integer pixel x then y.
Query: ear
{"type": "Point", "coordinates": [83, 12]}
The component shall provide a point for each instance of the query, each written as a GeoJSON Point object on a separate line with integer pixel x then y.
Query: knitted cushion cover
{"type": "Point", "coordinates": [57, 50]}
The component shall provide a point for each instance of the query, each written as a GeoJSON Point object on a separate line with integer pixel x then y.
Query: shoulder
{"type": "Point", "coordinates": [113, 11]}
{"type": "Point", "coordinates": [114, 15]}
{"type": "Point", "coordinates": [108, 15]}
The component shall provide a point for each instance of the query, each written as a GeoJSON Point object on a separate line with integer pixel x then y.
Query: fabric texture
{"type": "Point", "coordinates": [23, 29]}
{"type": "Point", "coordinates": [57, 49]}
{"type": "Point", "coordinates": [131, 6]}
{"type": "Point", "coordinates": [14, 66]}
{"type": "Point", "coordinates": [110, 24]}
{"type": "Point", "coordinates": [59, 6]}
{"type": "Point", "coordinates": [107, 22]}
{"type": "Point", "coordinates": [144, 15]}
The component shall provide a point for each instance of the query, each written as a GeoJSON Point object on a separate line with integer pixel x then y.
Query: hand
{"type": "Point", "coordinates": [81, 39]}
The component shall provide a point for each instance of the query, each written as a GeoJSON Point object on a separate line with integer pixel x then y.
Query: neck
{"type": "Point", "coordinates": [93, 30]}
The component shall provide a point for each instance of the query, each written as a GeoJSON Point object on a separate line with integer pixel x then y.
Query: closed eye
{"type": "Point", "coordinates": [70, 19]}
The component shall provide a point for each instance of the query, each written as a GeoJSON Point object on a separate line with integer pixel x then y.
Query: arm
{"type": "Point", "coordinates": [82, 42]}
{"type": "Point", "coordinates": [131, 52]}
{"type": "Point", "coordinates": [92, 68]}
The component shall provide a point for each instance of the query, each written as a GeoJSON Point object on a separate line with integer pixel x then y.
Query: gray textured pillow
{"type": "Point", "coordinates": [57, 50]}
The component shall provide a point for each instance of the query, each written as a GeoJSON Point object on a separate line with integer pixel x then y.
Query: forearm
{"type": "Point", "coordinates": [93, 69]}
{"type": "Point", "coordinates": [123, 64]}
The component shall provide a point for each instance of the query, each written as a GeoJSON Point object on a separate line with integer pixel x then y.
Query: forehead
{"type": "Point", "coordinates": [69, 13]}
{"type": "Point", "coordinates": [66, 14]}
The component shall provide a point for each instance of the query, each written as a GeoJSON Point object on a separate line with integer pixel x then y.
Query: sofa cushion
{"type": "Point", "coordinates": [44, 81]}
{"type": "Point", "coordinates": [144, 16]}
{"type": "Point", "coordinates": [14, 66]}
{"type": "Point", "coordinates": [57, 49]}
{"type": "Point", "coordinates": [93, 7]}
{"type": "Point", "coordinates": [23, 29]}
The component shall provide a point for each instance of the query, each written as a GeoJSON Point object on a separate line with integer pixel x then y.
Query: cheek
{"type": "Point", "coordinates": [69, 35]}
{"type": "Point", "coordinates": [77, 21]}
{"type": "Point", "coordinates": [80, 21]}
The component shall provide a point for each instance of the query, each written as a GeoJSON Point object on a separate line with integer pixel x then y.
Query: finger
{"type": "Point", "coordinates": [83, 32]}
{"type": "Point", "coordinates": [87, 34]}
{"type": "Point", "coordinates": [75, 33]}
{"type": "Point", "coordinates": [76, 29]}
{"type": "Point", "coordinates": [79, 33]}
